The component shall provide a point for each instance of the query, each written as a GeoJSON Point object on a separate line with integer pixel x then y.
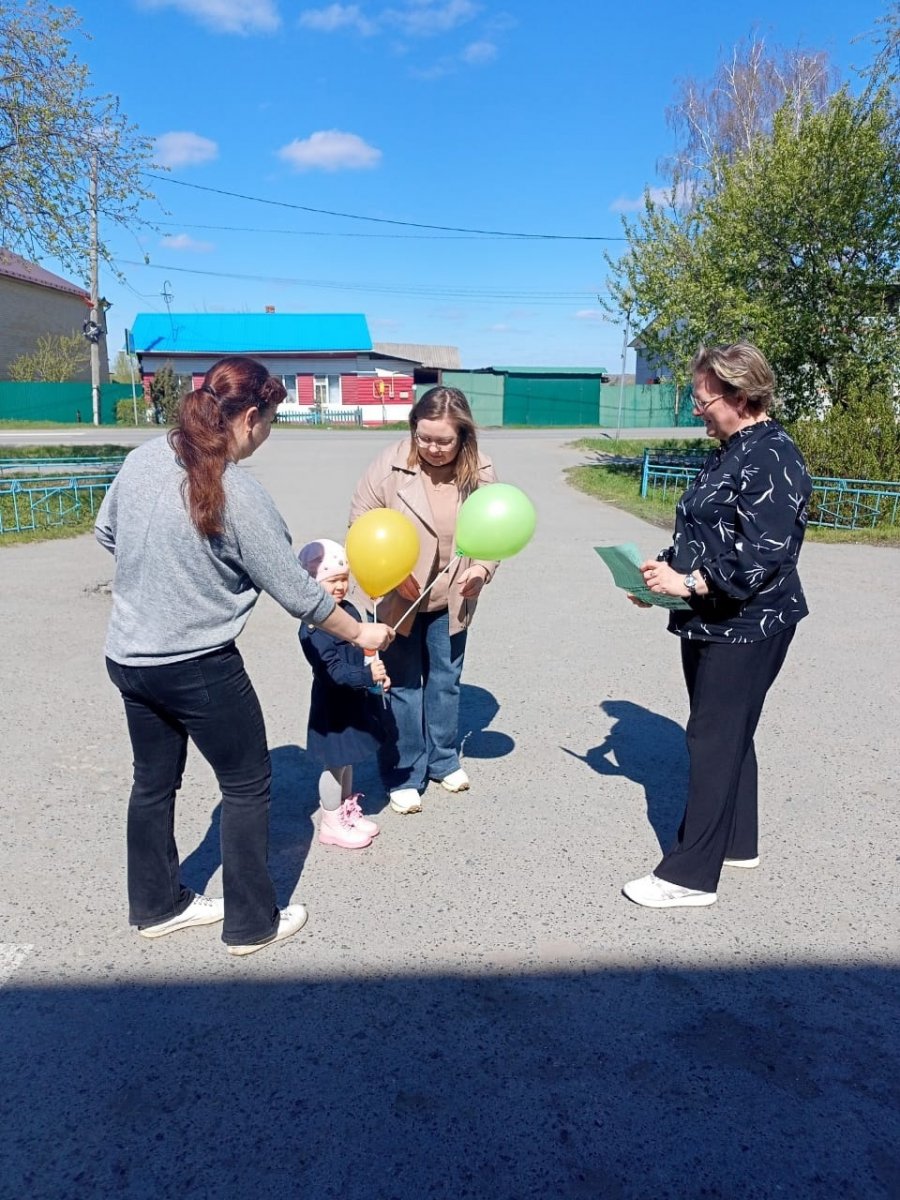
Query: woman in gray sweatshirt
{"type": "Point", "coordinates": [196, 540]}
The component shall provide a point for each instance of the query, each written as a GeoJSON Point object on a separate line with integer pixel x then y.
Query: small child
{"type": "Point", "coordinates": [344, 726]}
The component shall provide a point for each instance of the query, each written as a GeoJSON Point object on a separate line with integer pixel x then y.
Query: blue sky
{"type": "Point", "coordinates": [530, 117]}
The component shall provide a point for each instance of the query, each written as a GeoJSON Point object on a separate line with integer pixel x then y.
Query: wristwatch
{"type": "Point", "coordinates": [690, 582]}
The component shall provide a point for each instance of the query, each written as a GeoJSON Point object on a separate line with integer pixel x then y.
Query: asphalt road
{"type": "Point", "coordinates": [473, 1010]}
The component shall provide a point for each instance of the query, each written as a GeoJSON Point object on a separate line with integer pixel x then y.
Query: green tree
{"type": "Point", "coordinates": [55, 359]}
{"type": "Point", "coordinates": [52, 123]}
{"type": "Point", "coordinates": [796, 248]}
{"type": "Point", "coordinates": [124, 369]}
{"type": "Point", "coordinates": [165, 393]}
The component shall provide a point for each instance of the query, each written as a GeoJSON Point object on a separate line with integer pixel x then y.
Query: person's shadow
{"type": "Point", "coordinates": [295, 798]}
{"type": "Point", "coordinates": [477, 708]}
{"type": "Point", "coordinates": [650, 750]}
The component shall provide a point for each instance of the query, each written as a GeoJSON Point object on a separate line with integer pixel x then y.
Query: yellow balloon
{"type": "Point", "coordinates": [382, 549]}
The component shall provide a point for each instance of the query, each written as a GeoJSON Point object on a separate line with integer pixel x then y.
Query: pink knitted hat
{"type": "Point", "coordinates": [324, 559]}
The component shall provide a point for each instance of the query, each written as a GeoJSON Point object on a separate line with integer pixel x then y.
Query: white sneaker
{"type": "Point", "coordinates": [456, 781]}
{"type": "Point", "coordinates": [406, 800]}
{"type": "Point", "coordinates": [202, 910]}
{"type": "Point", "coordinates": [653, 892]}
{"type": "Point", "coordinates": [747, 864]}
{"type": "Point", "coordinates": [290, 921]}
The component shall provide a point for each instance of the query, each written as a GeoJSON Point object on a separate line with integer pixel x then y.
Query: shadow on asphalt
{"type": "Point", "coordinates": [295, 798]}
{"type": "Point", "coordinates": [650, 750]}
{"type": "Point", "coordinates": [664, 1084]}
{"type": "Point", "coordinates": [477, 709]}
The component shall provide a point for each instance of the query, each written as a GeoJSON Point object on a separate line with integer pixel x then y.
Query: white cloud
{"type": "Point", "coordinates": [659, 195]}
{"type": "Point", "coordinates": [444, 66]}
{"type": "Point", "coordinates": [330, 150]}
{"type": "Point", "coordinates": [422, 18]}
{"type": "Point", "coordinates": [183, 149]}
{"type": "Point", "coordinates": [181, 241]}
{"type": "Point", "coordinates": [227, 16]}
{"type": "Point", "coordinates": [476, 54]}
{"type": "Point", "coordinates": [590, 314]}
{"type": "Point", "coordinates": [338, 16]}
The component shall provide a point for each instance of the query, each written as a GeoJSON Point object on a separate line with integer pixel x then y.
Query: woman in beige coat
{"type": "Point", "coordinates": [427, 476]}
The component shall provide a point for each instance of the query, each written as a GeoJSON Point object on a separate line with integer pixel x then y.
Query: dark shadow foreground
{"type": "Point", "coordinates": [664, 1084]}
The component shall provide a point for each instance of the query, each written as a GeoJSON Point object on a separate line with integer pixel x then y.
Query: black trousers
{"type": "Point", "coordinates": [727, 684]}
{"type": "Point", "coordinates": [211, 701]}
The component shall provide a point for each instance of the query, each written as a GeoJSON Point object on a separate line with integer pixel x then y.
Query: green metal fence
{"type": "Point", "coordinates": [55, 403]}
{"type": "Point", "coordinates": [323, 416]}
{"type": "Point", "coordinates": [647, 406]}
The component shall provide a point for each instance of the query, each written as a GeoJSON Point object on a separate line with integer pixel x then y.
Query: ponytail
{"type": "Point", "coordinates": [202, 438]}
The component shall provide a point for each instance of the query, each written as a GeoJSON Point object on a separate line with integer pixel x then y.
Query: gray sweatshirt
{"type": "Point", "coordinates": [177, 594]}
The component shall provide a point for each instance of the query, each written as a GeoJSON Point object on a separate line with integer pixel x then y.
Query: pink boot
{"type": "Point", "coordinates": [336, 828]}
{"type": "Point", "coordinates": [360, 821]}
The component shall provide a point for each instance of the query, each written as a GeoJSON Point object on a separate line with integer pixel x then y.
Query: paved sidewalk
{"type": "Point", "coordinates": [473, 1010]}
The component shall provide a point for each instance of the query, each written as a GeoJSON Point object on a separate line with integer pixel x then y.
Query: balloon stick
{"type": "Point", "coordinates": [376, 655]}
{"type": "Point", "coordinates": [420, 598]}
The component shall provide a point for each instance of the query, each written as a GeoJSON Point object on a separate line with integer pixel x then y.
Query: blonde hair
{"type": "Point", "coordinates": [449, 403]}
{"type": "Point", "coordinates": [742, 371]}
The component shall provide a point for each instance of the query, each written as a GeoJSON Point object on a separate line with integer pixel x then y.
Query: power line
{"type": "Point", "coordinates": [339, 233]}
{"type": "Point", "coordinates": [472, 295]}
{"type": "Point", "coordinates": [326, 212]}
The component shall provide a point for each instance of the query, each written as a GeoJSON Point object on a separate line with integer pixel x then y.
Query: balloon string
{"type": "Point", "coordinates": [420, 598]}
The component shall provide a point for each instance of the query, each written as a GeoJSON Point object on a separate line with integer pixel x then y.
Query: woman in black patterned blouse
{"type": "Point", "coordinates": [738, 532]}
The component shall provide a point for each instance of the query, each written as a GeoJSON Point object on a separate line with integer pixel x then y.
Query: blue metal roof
{"type": "Point", "coordinates": [249, 333]}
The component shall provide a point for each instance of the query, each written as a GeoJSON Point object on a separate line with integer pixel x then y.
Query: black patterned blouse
{"type": "Point", "coordinates": [741, 523]}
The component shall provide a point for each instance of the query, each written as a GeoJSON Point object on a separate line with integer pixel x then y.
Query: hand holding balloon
{"type": "Point", "coordinates": [471, 582]}
{"type": "Point", "coordinates": [409, 589]}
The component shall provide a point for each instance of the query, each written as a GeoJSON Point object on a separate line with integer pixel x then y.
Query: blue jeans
{"type": "Point", "coordinates": [212, 701]}
{"type": "Point", "coordinates": [423, 720]}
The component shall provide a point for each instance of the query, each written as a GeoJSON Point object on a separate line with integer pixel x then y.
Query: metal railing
{"type": "Point", "coordinates": [52, 501]}
{"type": "Point", "coordinates": [25, 466]}
{"type": "Point", "coordinates": [322, 416]}
{"type": "Point", "coordinates": [834, 504]}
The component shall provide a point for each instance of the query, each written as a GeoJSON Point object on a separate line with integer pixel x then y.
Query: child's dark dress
{"type": "Point", "coordinates": [344, 724]}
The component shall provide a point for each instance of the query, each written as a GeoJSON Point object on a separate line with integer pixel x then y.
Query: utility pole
{"type": "Point", "coordinates": [625, 333]}
{"type": "Point", "coordinates": [98, 320]}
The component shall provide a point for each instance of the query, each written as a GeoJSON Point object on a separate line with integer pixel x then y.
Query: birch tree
{"type": "Point", "coordinates": [52, 121]}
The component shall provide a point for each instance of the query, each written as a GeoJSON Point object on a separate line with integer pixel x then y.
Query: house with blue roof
{"type": "Point", "coordinates": [325, 360]}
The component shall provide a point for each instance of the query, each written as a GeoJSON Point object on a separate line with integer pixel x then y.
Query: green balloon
{"type": "Point", "coordinates": [495, 522]}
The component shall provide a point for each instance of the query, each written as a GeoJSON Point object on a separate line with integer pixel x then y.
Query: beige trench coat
{"type": "Point", "coordinates": [390, 483]}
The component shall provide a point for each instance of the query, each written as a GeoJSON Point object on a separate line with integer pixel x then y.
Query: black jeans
{"type": "Point", "coordinates": [727, 684]}
{"type": "Point", "coordinates": [212, 701]}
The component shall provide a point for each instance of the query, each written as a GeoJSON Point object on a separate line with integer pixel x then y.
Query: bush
{"type": "Point", "coordinates": [860, 440]}
{"type": "Point", "coordinates": [125, 411]}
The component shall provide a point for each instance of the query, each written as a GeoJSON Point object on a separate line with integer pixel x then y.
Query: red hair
{"type": "Point", "coordinates": [202, 438]}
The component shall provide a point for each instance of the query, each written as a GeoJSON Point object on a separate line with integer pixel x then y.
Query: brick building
{"type": "Point", "coordinates": [35, 302]}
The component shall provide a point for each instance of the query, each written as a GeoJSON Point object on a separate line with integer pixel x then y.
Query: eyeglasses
{"type": "Point", "coordinates": [703, 405]}
{"type": "Point", "coordinates": [436, 443]}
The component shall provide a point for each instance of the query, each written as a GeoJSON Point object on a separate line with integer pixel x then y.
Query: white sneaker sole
{"type": "Point", "coordinates": [743, 864]}
{"type": "Point", "coordinates": [449, 788]}
{"type": "Point", "coordinates": [163, 930]}
{"type": "Point", "coordinates": [281, 934]}
{"type": "Point", "coordinates": [405, 809]}
{"type": "Point", "coordinates": [700, 900]}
